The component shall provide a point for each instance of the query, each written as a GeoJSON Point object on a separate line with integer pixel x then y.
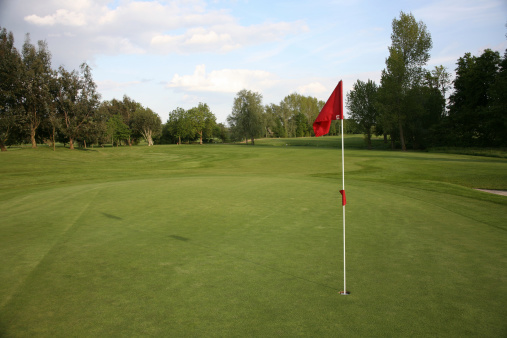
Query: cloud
{"type": "Point", "coordinates": [223, 81]}
{"type": "Point", "coordinates": [61, 16]}
{"type": "Point", "coordinates": [150, 26]}
{"type": "Point", "coordinates": [313, 89]}
{"type": "Point", "coordinates": [195, 40]}
{"type": "Point", "coordinates": [224, 38]}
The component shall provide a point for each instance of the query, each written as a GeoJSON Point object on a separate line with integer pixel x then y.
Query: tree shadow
{"type": "Point", "coordinates": [112, 216]}
{"type": "Point", "coordinates": [180, 238]}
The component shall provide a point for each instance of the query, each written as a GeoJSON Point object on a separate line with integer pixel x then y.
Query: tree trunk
{"type": "Point", "coordinates": [54, 131]}
{"type": "Point", "coordinates": [200, 137]}
{"type": "Point", "coordinates": [253, 141]}
{"type": "Point", "coordinates": [402, 137]}
{"type": "Point", "coordinates": [71, 143]}
{"type": "Point", "coordinates": [385, 138]}
{"type": "Point", "coordinates": [369, 139]}
{"type": "Point", "coordinates": [32, 135]}
{"type": "Point", "coordinates": [84, 141]}
{"type": "Point", "coordinates": [2, 146]}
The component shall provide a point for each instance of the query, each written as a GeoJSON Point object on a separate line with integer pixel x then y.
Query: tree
{"type": "Point", "coordinates": [117, 129]}
{"type": "Point", "coordinates": [127, 109]}
{"type": "Point", "coordinates": [77, 100]}
{"type": "Point", "coordinates": [274, 120]}
{"type": "Point", "coordinates": [477, 106]}
{"type": "Point", "coordinates": [246, 116]}
{"type": "Point", "coordinates": [221, 132]}
{"type": "Point", "coordinates": [408, 53]}
{"type": "Point", "coordinates": [498, 105]}
{"type": "Point", "coordinates": [36, 78]}
{"type": "Point", "coordinates": [147, 123]}
{"type": "Point", "coordinates": [441, 79]}
{"type": "Point", "coordinates": [362, 106]}
{"type": "Point", "coordinates": [202, 120]}
{"type": "Point", "coordinates": [10, 88]}
{"type": "Point", "coordinates": [179, 126]}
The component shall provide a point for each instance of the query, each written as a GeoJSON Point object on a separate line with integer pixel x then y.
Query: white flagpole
{"type": "Point", "coordinates": [344, 292]}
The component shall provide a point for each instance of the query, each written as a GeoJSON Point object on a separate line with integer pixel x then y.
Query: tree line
{"type": "Point", "coordinates": [409, 106]}
{"type": "Point", "coordinates": [40, 104]}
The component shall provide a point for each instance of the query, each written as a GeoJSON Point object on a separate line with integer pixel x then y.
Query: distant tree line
{"type": "Point", "coordinates": [39, 104]}
{"type": "Point", "coordinates": [292, 117]}
{"type": "Point", "coordinates": [188, 125]}
{"type": "Point", "coordinates": [409, 106]}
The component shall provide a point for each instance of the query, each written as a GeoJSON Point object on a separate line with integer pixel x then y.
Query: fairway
{"type": "Point", "coordinates": [235, 240]}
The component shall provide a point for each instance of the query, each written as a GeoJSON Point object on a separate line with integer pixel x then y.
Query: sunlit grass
{"type": "Point", "coordinates": [235, 240]}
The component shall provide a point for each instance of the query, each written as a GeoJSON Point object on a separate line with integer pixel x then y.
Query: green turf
{"type": "Point", "coordinates": [234, 240]}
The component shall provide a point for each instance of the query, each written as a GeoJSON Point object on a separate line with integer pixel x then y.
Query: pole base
{"type": "Point", "coordinates": [344, 293]}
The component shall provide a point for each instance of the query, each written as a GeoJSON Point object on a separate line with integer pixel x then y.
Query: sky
{"type": "Point", "coordinates": [168, 54]}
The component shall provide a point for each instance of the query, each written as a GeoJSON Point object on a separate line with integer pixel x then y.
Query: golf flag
{"type": "Point", "coordinates": [332, 110]}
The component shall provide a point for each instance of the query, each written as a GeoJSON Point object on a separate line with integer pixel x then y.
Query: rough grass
{"type": "Point", "coordinates": [246, 241]}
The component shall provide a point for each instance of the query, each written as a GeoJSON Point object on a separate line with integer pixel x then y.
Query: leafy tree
{"type": "Point", "coordinates": [302, 126]}
{"type": "Point", "coordinates": [179, 125]}
{"type": "Point", "coordinates": [362, 106]}
{"type": "Point", "coordinates": [427, 105]}
{"type": "Point", "coordinates": [477, 106]}
{"type": "Point", "coordinates": [202, 120]}
{"type": "Point", "coordinates": [10, 88]}
{"type": "Point", "coordinates": [147, 123]}
{"type": "Point", "coordinates": [117, 129]}
{"type": "Point", "coordinates": [36, 78]}
{"type": "Point", "coordinates": [273, 121]}
{"type": "Point", "coordinates": [221, 132]}
{"type": "Point", "coordinates": [127, 110]}
{"type": "Point", "coordinates": [77, 100]}
{"type": "Point", "coordinates": [408, 53]}
{"type": "Point", "coordinates": [440, 79]}
{"type": "Point", "coordinates": [498, 105]}
{"type": "Point", "coordinates": [350, 126]}
{"type": "Point", "coordinates": [246, 116]}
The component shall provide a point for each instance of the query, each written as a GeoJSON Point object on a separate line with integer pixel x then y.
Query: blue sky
{"type": "Point", "coordinates": [169, 54]}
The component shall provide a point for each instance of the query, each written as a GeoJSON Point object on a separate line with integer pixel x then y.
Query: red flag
{"type": "Point", "coordinates": [332, 110]}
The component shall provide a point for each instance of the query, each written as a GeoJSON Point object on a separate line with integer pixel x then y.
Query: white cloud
{"type": "Point", "coordinates": [313, 89]}
{"type": "Point", "coordinates": [195, 40]}
{"type": "Point", "coordinates": [158, 26]}
{"type": "Point", "coordinates": [223, 81]}
{"type": "Point", "coordinates": [61, 17]}
{"type": "Point", "coordinates": [223, 38]}
{"type": "Point", "coordinates": [117, 45]}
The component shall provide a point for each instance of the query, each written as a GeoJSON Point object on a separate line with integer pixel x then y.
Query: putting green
{"type": "Point", "coordinates": [248, 256]}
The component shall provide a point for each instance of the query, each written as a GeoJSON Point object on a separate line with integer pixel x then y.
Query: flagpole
{"type": "Point", "coordinates": [344, 292]}
{"type": "Point", "coordinates": [333, 110]}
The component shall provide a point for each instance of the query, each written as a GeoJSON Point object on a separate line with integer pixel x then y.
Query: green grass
{"type": "Point", "coordinates": [235, 240]}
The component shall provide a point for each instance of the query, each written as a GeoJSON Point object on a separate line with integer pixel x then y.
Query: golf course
{"type": "Point", "coordinates": [236, 240]}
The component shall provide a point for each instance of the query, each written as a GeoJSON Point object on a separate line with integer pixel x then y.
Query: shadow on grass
{"type": "Point", "coordinates": [187, 240]}
{"type": "Point", "coordinates": [112, 216]}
